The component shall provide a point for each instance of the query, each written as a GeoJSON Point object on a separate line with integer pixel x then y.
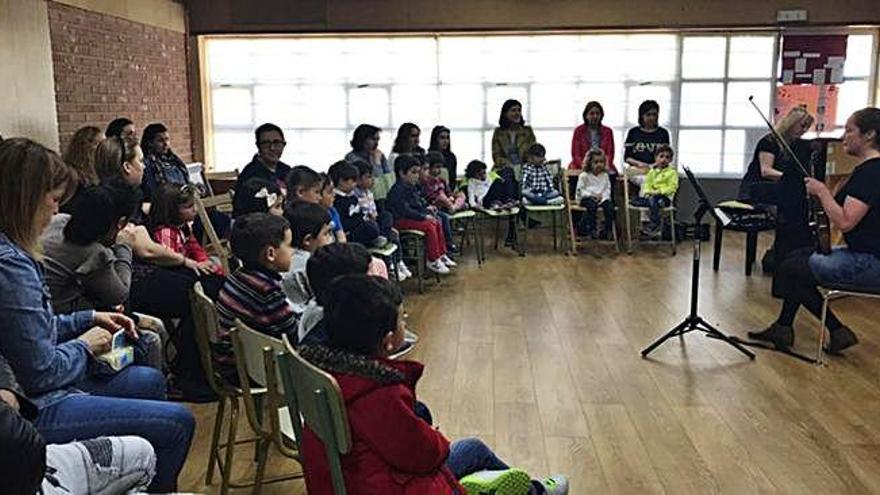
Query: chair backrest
{"type": "Point", "coordinates": [314, 398]}
{"type": "Point", "coordinates": [251, 352]}
{"type": "Point", "coordinates": [569, 176]}
{"type": "Point", "coordinates": [255, 361]}
{"type": "Point", "coordinates": [207, 326]}
{"type": "Point", "coordinates": [214, 243]}
{"type": "Point", "coordinates": [221, 182]}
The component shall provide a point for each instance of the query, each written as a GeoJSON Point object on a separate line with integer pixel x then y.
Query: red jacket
{"type": "Point", "coordinates": [393, 451]}
{"type": "Point", "coordinates": [176, 240]}
{"type": "Point", "coordinates": [580, 145]}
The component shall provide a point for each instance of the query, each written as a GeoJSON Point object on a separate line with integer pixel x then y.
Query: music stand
{"type": "Point", "coordinates": [694, 321]}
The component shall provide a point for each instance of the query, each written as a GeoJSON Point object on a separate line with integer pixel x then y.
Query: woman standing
{"type": "Point", "coordinates": [642, 141]}
{"type": "Point", "coordinates": [592, 135]}
{"type": "Point", "coordinates": [511, 139]}
{"type": "Point", "coordinates": [441, 142]}
{"type": "Point", "coordinates": [855, 210]}
{"type": "Point", "coordinates": [51, 354]}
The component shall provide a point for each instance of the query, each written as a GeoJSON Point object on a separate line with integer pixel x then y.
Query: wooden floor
{"type": "Point", "coordinates": [539, 357]}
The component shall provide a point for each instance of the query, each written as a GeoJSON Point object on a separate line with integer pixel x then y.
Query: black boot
{"type": "Point", "coordinates": [841, 339]}
{"type": "Point", "coordinates": [780, 336]}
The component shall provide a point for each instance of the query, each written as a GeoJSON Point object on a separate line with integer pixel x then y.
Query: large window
{"type": "Point", "coordinates": [318, 89]}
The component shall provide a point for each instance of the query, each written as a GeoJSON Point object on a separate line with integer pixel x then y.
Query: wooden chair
{"type": "Point", "coordinates": [255, 359]}
{"type": "Point", "coordinates": [468, 220]}
{"type": "Point", "coordinates": [221, 182]}
{"type": "Point", "coordinates": [743, 218]}
{"type": "Point", "coordinates": [552, 210]}
{"type": "Point", "coordinates": [315, 400]}
{"type": "Point", "coordinates": [214, 244]}
{"type": "Point", "coordinates": [415, 254]}
{"type": "Point", "coordinates": [832, 292]}
{"type": "Point", "coordinates": [207, 333]}
{"type": "Point", "coordinates": [667, 213]}
{"type": "Point", "coordinates": [572, 206]}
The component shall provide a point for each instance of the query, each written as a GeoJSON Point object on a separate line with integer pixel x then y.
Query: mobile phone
{"type": "Point", "coordinates": [118, 341]}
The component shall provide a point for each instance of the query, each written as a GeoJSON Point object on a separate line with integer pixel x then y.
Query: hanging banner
{"type": "Point", "coordinates": [813, 59]}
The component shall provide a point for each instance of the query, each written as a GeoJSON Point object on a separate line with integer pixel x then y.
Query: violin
{"type": "Point", "coordinates": [818, 220]}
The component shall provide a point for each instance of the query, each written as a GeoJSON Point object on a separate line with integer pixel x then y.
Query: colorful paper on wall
{"type": "Point", "coordinates": [821, 102]}
{"type": "Point", "coordinates": [816, 59]}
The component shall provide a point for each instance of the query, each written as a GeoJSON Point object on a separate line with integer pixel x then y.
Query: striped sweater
{"type": "Point", "coordinates": [254, 296]}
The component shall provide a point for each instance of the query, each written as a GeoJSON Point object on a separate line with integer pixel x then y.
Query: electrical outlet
{"type": "Point", "coordinates": [794, 15]}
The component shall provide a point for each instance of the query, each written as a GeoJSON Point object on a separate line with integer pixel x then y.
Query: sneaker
{"type": "Point", "coordinates": [404, 349]}
{"type": "Point", "coordinates": [841, 339]}
{"type": "Point", "coordinates": [446, 260]}
{"type": "Point", "coordinates": [437, 266]}
{"type": "Point", "coordinates": [502, 482]}
{"type": "Point", "coordinates": [410, 337]}
{"type": "Point", "coordinates": [401, 276]}
{"type": "Point", "coordinates": [380, 241]}
{"type": "Point", "coordinates": [650, 231]}
{"type": "Point", "coordinates": [555, 485]}
{"type": "Point", "coordinates": [780, 336]}
{"type": "Point", "coordinates": [402, 268]}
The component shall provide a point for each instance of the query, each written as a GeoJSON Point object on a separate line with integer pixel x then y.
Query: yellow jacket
{"type": "Point", "coordinates": [661, 181]}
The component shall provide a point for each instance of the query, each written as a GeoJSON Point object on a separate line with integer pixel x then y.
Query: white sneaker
{"type": "Point", "coordinates": [446, 260]}
{"type": "Point", "coordinates": [411, 337]}
{"type": "Point", "coordinates": [437, 266]}
{"type": "Point", "coordinates": [401, 276]}
{"type": "Point", "coordinates": [556, 484]}
{"type": "Point", "coordinates": [402, 268]}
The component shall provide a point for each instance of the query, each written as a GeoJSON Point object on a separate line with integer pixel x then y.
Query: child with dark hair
{"type": "Point", "coordinates": [356, 226]}
{"type": "Point", "coordinates": [495, 192]}
{"type": "Point", "coordinates": [171, 212]}
{"type": "Point", "coordinates": [258, 196]}
{"type": "Point", "coordinates": [411, 212]}
{"type": "Point", "coordinates": [395, 449]}
{"type": "Point", "coordinates": [436, 189]}
{"type": "Point", "coordinates": [253, 294]}
{"type": "Point", "coordinates": [363, 191]}
{"type": "Point", "coordinates": [310, 225]}
{"type": "Point", "coordinates": [658, 191]}
{"type": "Point", "coordinates": [303, 184]}
{"type": "Point", "coordinates": [326, 200]}
{"type": "Point", "coordinates": [537, 181]}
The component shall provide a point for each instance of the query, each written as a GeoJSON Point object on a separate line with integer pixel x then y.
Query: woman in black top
{"type": "Point", "coordinates": [769, 162]}
{"type": "Point", "coordinates": [855, 210]}
{"type": "Point", "coordinates": [441, 142]}
{"type": "Point", "coordinates": [642, 141]}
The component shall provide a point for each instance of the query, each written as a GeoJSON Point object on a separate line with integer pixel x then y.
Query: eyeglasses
{"type": "Point", "coordinates": [273, 144]}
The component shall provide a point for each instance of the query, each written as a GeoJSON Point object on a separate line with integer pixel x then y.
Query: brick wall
{"type": "Point", "coordinates": [107, 67]}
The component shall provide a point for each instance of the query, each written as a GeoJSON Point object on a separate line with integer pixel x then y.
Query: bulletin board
{"type": "Point", "coordinates": [813, 59]}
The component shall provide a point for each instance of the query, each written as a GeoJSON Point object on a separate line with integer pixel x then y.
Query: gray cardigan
{"type": "Point", "coordinates": [84, 277]}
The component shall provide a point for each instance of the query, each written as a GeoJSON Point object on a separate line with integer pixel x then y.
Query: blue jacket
{"type": "Point", "coordinates": [41, 347]}
{"type": "Point", "coordinates": [405, 202]}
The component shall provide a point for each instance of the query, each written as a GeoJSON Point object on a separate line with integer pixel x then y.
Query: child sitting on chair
{"type": "Point", "coordinates": [537, 181]}
{"type": "Point", "coordinates": [594, 192]}
{"type": "Point", "coordinates": [257, 196]}
{"type": "Point", "coordinates": [489, 193]}
{"type": "Point", "coordinates": [172, 211]}
{"type": "Point", "coordinates": [310, 229]}
{"type": "Point", "coordinates": [356, 226]}
{"type": "Point", "coordinates": [661, 184]}
{"type": "Point", "coordinates": [367, 205]}
{"type": "Point", "coordinates": [253, 294]}
{"type": "Point", "coordinates": [394, 448]}
{"type": "Point", "coordinates": [435, 187]}
{"type": "Point", "coordinates": [411, 212]}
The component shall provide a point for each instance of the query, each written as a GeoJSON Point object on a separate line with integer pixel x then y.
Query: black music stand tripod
{"type": "Point", "coordinates": [694, 321]}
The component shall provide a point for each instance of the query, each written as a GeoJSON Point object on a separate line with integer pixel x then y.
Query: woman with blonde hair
{"type": "Point", "coordinates": [53, 355]}
{"type": "Point", "coordinates": [770, 159]}
{"type": "Point", "coordinates": [80, 153]}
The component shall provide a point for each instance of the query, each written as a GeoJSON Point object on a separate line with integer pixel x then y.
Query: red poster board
{"type": "Point", "coordinates": [821, 102]}
{"type": "Point", "coordinates": [813, 59]}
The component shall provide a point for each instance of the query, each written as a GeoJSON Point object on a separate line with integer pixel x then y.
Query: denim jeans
{"type": "Point", "coordinates": [447, 229]}
{"type": "Point", "coordinates": [588, 219]}
{"type": "Point", "coordinates": [540, 198]}
{"type": "Point", "coordinates": [845, 266]}
{"type": "Point", "coordinates": [142, 412]}
{"type": "Point", "coordinates": [469, 455]}
{"type": "Point", "coordinates": [654, 203]}
{"type": "Point", "coordinates": [99, 466]}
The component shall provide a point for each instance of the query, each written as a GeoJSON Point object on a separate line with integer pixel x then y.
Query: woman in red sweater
{"type": "Point", "coordinates": [592, 134]}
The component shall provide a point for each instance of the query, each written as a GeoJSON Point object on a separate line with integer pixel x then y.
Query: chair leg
{"type": "Point", "coordinates": [262, 458]}
{"type": "Point", "coordinates": [819, 350]}
{"type": "Point", "coordinates": [421, 264]}
{"type": "Point", "coordinates": [497, 227]}
{"type": "Point", "coordinates": [672, 231]}
{"type": "Point", "coordinates": [226, 472]}
{"type": "Point", "coordinates": [716, 245]}
{"type": "Point", "coordinates": [214, 454]}
{"type": "Point", "coordinates": [555, 216]}
{"type": "Point", "coordinates": [751, 251]}
{"type": "Point", "coordinates": [629, 239]}
{"type": "Point", "coordinates": [525, 236]}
